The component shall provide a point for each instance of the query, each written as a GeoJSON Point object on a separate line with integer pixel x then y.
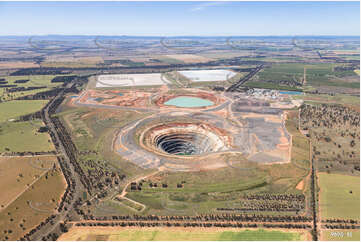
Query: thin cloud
{"type": "Point", "coordinates": [202, 6]}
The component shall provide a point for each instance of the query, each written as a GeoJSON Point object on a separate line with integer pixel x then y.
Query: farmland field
{"type": "Point", "coordinates": [34, 80]}
{"type": "Point", "coordinates": [24, 136]}
{"type": "Point", "coordinates": [17, 172]}
{"type": "Point", "coordinates": [175, 234]}
{"type": "Point", "coordinates": [188, 58]}
{"type": "Point", "coordinates": [334, 99]}
{"type": "Point", "coordinates": [14, 109]}
{"type": "Point", "coordinates": [267, 85]}
{"type": "Point", "coordinates": [33, 206]}
{"type": "Point", "coordinates": [322, 74]}
{"type": "Point", "coordinates": [43, 81]}
{"type": "Point", "coordinates": [339, 196]}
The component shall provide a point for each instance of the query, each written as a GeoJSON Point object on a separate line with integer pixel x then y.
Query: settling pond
{"type": "Point", "coordinates": [291, 92]}
{"type": "Point", "coordinates": [188, 102]}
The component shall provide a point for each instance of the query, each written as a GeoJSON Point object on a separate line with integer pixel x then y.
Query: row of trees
{"type": "Point", "coordinates": [277, 197]}
{"type": "Point", "coordinates": [71, 184]}
{"type": "Point", "coordinates": [22, 89]}
{"type": "Point", "coordinates": [70, 150]}
{"type": "Point", "coordinates": [338, 220]}
{"type": "Point", "coordinates": [270, 202]}
{"type": "Point", "coordinates": [26, 153]}
{"type": "Point", "coordinates": [208, 217]}
{"type": "Point", "coordinates": [341, 226]}
{"type": "Point", "coordinates": [49, 219]}
{"type": "Point", "coordinates": [193, 225]}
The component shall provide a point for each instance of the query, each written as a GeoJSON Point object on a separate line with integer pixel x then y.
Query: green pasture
{"type": "Point", "coordinates": [268, 85]}
{"type": "Point", "coordinates": [339, 196]}
{"type": "Point", "coordinates": [321, 74]}
{"type": "Point", "coordinates": [171, 234]}
{"type": "Point", "coordinates": [24, 136]}
{"type": "Point", "coordinates": [34, 81]}
{"type": "Point", "coordinates": [17, 108]}
{"type": "Point", "coordinates": [247, 235]}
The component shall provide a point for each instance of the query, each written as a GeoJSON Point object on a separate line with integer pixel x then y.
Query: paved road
{"type": "Point", "coordinates": [235, 86]}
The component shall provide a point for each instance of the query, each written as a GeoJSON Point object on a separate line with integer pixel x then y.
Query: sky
{"type": "Point", "coordinates": [180, 18]}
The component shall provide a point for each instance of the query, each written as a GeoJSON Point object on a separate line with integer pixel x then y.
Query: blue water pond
{"type": "Point", "coordinates": [188, 102]}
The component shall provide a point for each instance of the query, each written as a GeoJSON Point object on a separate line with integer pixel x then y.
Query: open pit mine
{"type": "Point", "coordinates": [188, 129]}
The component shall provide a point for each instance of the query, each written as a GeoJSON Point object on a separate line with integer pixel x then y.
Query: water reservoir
{"type": "Point", "coordinates": [188, 102]}
{"type": "Point", "coordinates": [291, 92]}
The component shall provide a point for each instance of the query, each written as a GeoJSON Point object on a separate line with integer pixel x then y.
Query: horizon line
{"type": "Point", "coordinates": [164, 36]}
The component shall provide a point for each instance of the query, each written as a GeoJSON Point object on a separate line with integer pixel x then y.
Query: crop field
{"type": "Point", "coordinates": [188, 58]}
{"type": "Point", "coordinates": [173, 234]}
{"type": "Point", "coordinates": [17, 64]}
{"type": "Point", "coordinates": [16, 173]}
{"type": "Point", "coordinates": [208, 75]}
{"type": "Point", "coordinates": [339, 196]}
{"type": "Point", "coordinates": [34, 80]}
{"type": "Point", "coordinates": [334, 99]}
{"type": "Point", "coordinates": [322, 74]}
{"type": "Point", "coordinates": [14, 109]}
{"type": "Point", "coordinates": [267, 85]}
{"type": "Point", "coordinates": [74, 62]}
{"type": "Point", "coordinates": [129, 80]}
{"type": "Point", "coordinates": [24, 136]}
{"type": "Point", "coordinates": [33, 206]}
{"type": "Point", "coordinates": [4, 96]}
{"type": "Point", "coordinates": [169, 60]}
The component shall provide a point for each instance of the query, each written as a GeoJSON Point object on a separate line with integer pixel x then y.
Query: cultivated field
{"type": "Point", "coordinates": [17, 64]}
{"type": "Point", "coordinates": [14, 109]}
{"type": "Point", "coordinates": [339, 196]}
{"type": "Point", "coordinates": [34, 80]}
{"type": "Point", "coordinates": [174, 234]}
{"type": "Point", "coordinates": [43, 81]}
{"type": "Point", "coordinates": [33, 206]}
{"type": "Point", "coordinates": [321, 75]}
{"type": "Point", "coordinates": [17, 173]}
{"type": "Point", "coordinates": [24, 136]}
{"type": "Point", "coordinates": [188, 58]}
